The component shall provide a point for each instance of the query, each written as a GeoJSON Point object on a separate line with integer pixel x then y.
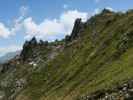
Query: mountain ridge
{"type": "Point", "coordinates": [8, 56]}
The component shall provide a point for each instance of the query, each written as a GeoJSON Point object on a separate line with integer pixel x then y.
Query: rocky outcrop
{"type": "Point", "coordinates": [121, 92]}
{"type": "Point", "coordinates": [77, 30]}
{"type": "Point", "coordinates": [28, 49]}
{"type": "Point", "coordinates": [43, 43]}
{"type": "Point", "coordinates": [31, 49]}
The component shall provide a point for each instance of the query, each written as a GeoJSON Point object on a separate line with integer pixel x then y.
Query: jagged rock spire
{"type": "Point", "coordinates": [33, 41]}
{"type": "Point", "coordinates": [28, 48]}
{"type": "Point", "coordinates": [76, 28]}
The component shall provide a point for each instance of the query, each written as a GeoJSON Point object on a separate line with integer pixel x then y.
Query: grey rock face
{"type": "Point", "coordinates": [76, 29]}
{"type": "Point", "coordinates": [122, 92]}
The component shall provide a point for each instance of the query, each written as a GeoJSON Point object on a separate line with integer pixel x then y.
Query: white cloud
{"type": "Point", "coordinates": [18, 22]}
{"type": "Point", "coordinates": [52, 27]}
{"type": "Point", "coordinates": [30, 26]}
{"type": "Point", "coordinates": [4, 31]}
{"type": "Point", "coordinates": [23, 12]}
{"type": "Point", "coordinates": [48, 29]}
{"type": "Point", "coordinates": [69, 17]}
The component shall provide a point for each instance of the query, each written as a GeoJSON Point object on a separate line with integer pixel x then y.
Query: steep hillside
{"type": "Point", "coordinates": [95, 60]}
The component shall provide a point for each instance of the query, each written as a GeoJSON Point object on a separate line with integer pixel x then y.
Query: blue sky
{"type": "Point", "coordinates": [46, 19]}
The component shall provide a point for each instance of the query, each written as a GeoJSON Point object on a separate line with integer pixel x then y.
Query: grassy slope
{"type": "Point", "coordinates": [90, 63]}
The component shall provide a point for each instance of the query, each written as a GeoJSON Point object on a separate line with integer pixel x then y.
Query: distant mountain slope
{"type": "Point", "coordinates": [94, 63]}
{"type": "Point", "coordinates": [8, 56]}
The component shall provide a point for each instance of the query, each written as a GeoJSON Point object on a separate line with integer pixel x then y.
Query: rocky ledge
{"type": "Point", "coordinates": [121, 92]}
